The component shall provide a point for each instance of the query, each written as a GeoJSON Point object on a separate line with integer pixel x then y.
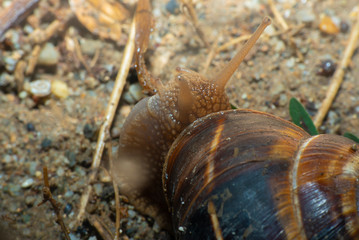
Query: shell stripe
{"type": "Point", "coordinates": [294, 188]}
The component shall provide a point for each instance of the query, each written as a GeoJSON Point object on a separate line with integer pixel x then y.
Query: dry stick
{"type": "Point", "coordinates": [233, 42]}
{"type": "Point", "coordinates": [47, 196]}
{"type": "Point", "coordinates": [338, 75]}
{"type": "Point", "coordinates": [117, 196]}
{"type": "Point", "coordinates": [18, 10]}
{"type": "Point", "coordinates": [101, 227]}
{"type": "Point", "coordinates": [210, 56]}
{"type": "Point", "coordinates": [277, 15]}
{"type": "Point", "coordinates": [189, 11]}
{"type": "Point", "coordinates": [110, 113]}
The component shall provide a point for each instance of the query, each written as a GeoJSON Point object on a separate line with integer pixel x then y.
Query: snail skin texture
{"type": "Point", "coordinates": [204, 171]}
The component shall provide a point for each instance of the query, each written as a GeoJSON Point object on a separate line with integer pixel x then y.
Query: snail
{"type": "Point", "coordinates": [209, 172]}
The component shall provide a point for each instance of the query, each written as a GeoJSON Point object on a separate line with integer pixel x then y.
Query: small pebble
{"type": "Point", "coordinates": [305, 15]}
{"type": "Point", "coordinates": [344, 26]}
{"type": "Point", "coordinates": [173, 7]}
{"type": "Point", "coordinates": [46, 143]}
{"type": "Point", "coordinates": [30, 200]}
{"type": "Point", "coordinates": [73, 237]}
{"type": "Point", "coordinates": [60, 171]}
{"type": "Point", "coordinates": [326, 68]}
{"type": "Point", "coordinates": [90, 46]}
{"type": "Point", "coordinates": [59, 89]}
{"type": "Point", "coordinates": [136, 91]}
{"type": "Point", "coordinates": [98, 189]}
{"type": "Point", "coordinates": [89, 131]}
{"type": "Point", "coordinates": [14, 189]}
{"type": "Point", "coordinates": [23, 95]}
{"type": "Point", "coordinates": [27, 183]}
{"type": "Point", "coordinates": [68, 209]}
{"type": "Point", "coordinates": [49, 55]}
{"type": "Point", "coordinates": [327, 25]}
{"type": "Point", "coordinates": [69, 194]}
{"type": "Point", "coordinates": [30, 127]}
{"type": "Point", "coordinates": [40, 88]}
{"type": "Point", "coordinates": [32, 168]}
{"type": "Point", "coordinates": [290, 63]}
{"type": "Point", "coordinates": [131, 213]}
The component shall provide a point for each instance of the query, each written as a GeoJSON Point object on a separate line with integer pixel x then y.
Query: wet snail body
{"type": "Point", "coordinates": [209, 172]}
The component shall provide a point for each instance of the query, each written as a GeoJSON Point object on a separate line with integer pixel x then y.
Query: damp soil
{"type": "Point", "coordinates": [60, 133]}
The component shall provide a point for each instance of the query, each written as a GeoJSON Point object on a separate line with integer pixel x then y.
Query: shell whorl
{"type": "Point", "coordinates": [270, 179]}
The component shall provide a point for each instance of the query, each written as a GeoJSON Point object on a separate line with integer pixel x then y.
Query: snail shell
{"type": "Point", "coordinates": [267, 179]}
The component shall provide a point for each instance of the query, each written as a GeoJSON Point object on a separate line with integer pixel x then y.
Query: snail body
{"type": "Point", "coordinates": [208, 172]}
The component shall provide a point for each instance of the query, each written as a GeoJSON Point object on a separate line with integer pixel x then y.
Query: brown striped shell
{"type": "Point", "coordinates": [265, 177]}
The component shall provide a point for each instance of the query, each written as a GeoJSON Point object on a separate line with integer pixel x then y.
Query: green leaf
{"type": "Point", "coordinates": [300, 117]}
{"type": "Point", "coordinates": [233, 107]}
{"type": "Point", "coordinates": [352, 137]}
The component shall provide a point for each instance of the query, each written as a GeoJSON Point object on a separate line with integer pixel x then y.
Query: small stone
{"type": "Point", "coordinates": [344, 26]}
{"type": "Point", "coordinates": [46, 143]}
{"type": "Point", "coordinates": [27, 183]}
{"type": "Point", "coordinates": [23, 95]}
{"type": "Point", "coordinates": [290, 63]}
{"type": "Point", "coordinates": [73, 237]}
{"type": "Point", "coordinates": [282, 100]}
{"type": "Point", "coordinates": [30, 200]}
{"type": "Point", "coordinates": [136, 91]}
{"type": "Point", "coordinates": [69, 194]}
{"type": "Point", "coordinates": [40, 88]}
{"type": "Point", "coordinates": [305, 15]}
{"type": "Point", "coordinates": [30, 127]}
{"type": "Point", "coordinates": [68, 209]}
{"type": "Point", "coordinates": [173, 7]}
{"type": "Point", "coordinates": [90, 46]}
{"type": "Point", "coordinates": [89, 131]}
{"type": "Point", "coordinates": [279, 46]}
{"type": "Point", "coordinates": [327, 25]}
{"type": "Point", "coordinates": [59, 89]}
{"type": "Point", "coordinates": [32, 168]}
{"type": "Point", "coordinates": [13, 206]}
{"type": "Point", "coordinates": [278, 88]}
{"type": "Point", "coordinates": [91, 82]}
{"type": "Point", "coordinates": [49, 55]}
{"type": "Point", "coordinates": [14, 189]}
{"type": "Point", "coordinates": [98, 189]}
{"type": "Point", "coordinates": [60, 172]}
{"type": "Point", "coordinates": [131, 213]}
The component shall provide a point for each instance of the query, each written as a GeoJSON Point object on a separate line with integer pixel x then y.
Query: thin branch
{"type": "Point", "coordinates": [188, 9]}
{"type": "Point", "coordinates": [47, 196]}
{"type": "Point", "coordinates": [110, 113]}
{"type": "Point", "coordinates": [233, 42]}
{"type": "Point", "coordinates": [338, 75]}
{"type": "Point", "coordinates": [100, 226]}
{"type": "Point", "coordinates": [278, 17]}
{"type": "Point", "coordinates": [117, 196]}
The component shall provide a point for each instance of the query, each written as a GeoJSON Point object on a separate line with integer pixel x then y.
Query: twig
{"type": "Point", "coordinates": [189, 11]}
{"type": "Point", "coordinates": [210, 56]}
{"type": "Point", "coordinates": [80, 56]}
{"type": "Point", "coordinates": [110, 113]}
{"type": "Point", "coordinates": [338, 75]}
{"type": "Point", "coordinates": [117, 196]}
{"type": "Point", "coordinates": [233, 42]}
{"type": "Point", "coordinates": [55, 205]}
{"type": "Point", "coordinates": [100, 227]}
{"type": "Point", "coordinates": [278, 16]}
{"type": "Point", "coordinates": [17, 11]}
